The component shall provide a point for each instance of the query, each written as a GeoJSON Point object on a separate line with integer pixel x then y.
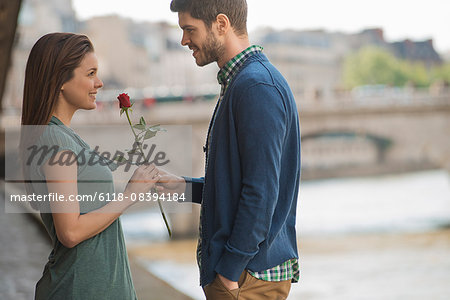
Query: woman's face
{"type": "Point", "coordinates": [80, 91]}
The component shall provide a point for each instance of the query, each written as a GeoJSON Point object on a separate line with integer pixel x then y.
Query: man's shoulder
{"type": "Point", "coordinates": [256, 67]}
{"type": "Point", "coordinates": [257, 70]}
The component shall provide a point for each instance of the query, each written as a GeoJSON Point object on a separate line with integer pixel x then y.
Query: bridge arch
{"type": "Point", "coordinates": [325, 145]}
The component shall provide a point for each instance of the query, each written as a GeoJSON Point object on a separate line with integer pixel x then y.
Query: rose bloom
{"type": "Point", "coordinates": [124, 100]}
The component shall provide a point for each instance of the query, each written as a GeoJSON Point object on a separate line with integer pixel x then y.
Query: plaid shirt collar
{"type": "Point", "coordinates": [232, 67]}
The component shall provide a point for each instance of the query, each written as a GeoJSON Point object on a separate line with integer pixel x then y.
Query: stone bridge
{"type": "Point", "coordinates": [347, 137]}
{"type": "Point", "coordinates": [339, 138]}
{"type": "Point", "coordinates": [359, 140]}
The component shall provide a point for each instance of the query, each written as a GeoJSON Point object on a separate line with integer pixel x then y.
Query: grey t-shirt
{"type": "Point", "coordinates": [98, 267]}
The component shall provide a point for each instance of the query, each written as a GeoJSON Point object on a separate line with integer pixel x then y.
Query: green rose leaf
{"type": "Point", "coordinates": [120, 159]}
{"type": "Point", "coordinates": [156, 128]}
{"type": "Point", "coordinates": [149, 134]}
{"type": "Point", "coordinates": [139, 126]}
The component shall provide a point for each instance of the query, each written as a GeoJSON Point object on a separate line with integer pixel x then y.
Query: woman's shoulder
{"type": "Point", "coordinates": [57, 136]}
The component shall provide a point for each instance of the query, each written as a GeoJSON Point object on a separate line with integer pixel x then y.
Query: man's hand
{"type": "Point", "coordinates": [231, 285]}
{"type": "Point", "coordinates": [170, 183]}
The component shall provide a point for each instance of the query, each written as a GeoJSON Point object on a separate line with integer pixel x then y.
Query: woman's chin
{"type": "Point", "coordinates": [92, 106]}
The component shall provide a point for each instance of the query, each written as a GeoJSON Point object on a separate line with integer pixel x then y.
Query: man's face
{"type": "Point", "coordinates": [201, 40]}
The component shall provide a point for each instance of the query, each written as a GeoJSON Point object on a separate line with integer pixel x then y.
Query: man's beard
{"type": "Point", "coordinates": [211, 52]}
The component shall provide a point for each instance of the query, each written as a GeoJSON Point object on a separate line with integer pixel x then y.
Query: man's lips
{"type": "Point", "coordinates": [195, 50]}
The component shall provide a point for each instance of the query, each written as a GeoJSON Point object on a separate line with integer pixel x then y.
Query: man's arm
{"type": "Point", "coordinates": [261, 128]}
{"type": "Point", "coordinates": [191, 187]}
{"type": "Point", "coordinates": [194, 189]}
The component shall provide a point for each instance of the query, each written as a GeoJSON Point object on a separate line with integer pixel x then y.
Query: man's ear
{"type": "Point", "coordinates": [223, 24]}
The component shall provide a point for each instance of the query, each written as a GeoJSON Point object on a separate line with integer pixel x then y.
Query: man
{"type": "Point", "coordinates": [247, 242]}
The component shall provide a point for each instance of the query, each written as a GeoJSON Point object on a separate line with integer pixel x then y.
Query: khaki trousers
{"type": "Point", "coordinates": [250, 288]}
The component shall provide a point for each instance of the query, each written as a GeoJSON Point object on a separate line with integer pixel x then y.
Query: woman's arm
{"type": "Point", "coordinates": [73, 228]}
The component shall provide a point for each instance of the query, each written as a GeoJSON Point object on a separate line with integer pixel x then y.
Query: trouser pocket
{"type": "Point", "coordinates": [216, 290]}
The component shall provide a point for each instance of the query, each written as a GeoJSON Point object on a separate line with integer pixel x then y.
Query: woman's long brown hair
{"type": "Point", "coordinates": [51, 63]}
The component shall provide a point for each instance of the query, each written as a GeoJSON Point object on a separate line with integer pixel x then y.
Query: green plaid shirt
{"type": "Point", "coordinates": [289, 270]}
{"type": "Point", "coordinates": [232, 67]}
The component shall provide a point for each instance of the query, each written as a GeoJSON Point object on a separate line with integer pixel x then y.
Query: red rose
{"type": "Point", "coordinates": [124, 100]}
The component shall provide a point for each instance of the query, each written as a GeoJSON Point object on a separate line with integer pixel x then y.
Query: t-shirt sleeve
{"type": "Point", "coordinates": [52, 141]}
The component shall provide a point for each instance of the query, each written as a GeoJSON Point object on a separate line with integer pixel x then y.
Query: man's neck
{"type": "Point", "coordinates": [233, 47]}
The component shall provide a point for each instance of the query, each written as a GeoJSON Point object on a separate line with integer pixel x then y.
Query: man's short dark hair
{"type": "Point", "coordinates": [207, 11]}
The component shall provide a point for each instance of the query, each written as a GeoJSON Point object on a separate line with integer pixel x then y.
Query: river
{"type": "Point", "coordinates": [359, 238]}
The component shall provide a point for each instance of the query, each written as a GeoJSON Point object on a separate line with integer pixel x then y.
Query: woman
{"type": "Point", "coordinates": [89, 258]}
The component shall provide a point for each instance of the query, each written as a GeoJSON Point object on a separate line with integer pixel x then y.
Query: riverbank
{"type": "Point", "coordinates": [358, 266]}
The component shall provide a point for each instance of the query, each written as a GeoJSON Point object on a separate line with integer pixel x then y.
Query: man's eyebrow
{"type": "Point", "coordinates": [186, 26]}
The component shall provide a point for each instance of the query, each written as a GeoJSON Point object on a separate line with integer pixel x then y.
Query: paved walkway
{"type": "Point", "coordinates": [24, 248]}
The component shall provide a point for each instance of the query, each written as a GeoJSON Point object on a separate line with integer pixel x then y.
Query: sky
{"type": "Point", "coordinates": [400, 19]}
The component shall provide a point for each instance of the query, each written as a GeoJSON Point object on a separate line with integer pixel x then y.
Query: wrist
{"type": "Point", "coordinates": [128, 198]}
{"type": "Point", "coordinates": [229, 284]}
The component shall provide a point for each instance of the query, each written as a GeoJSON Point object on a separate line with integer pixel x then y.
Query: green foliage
{"type": "Point", "coordinates": [371, 65]}
{"type": "Point", "coordinates": [417, 74]}
{"type": "Point", "coordinates": [441, 73]}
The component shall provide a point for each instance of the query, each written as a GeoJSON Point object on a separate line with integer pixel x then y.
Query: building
{"type": "Point", "coordinates": [147, 61]}
{"type": "Point", "coordinates": [312, 60]}
{"type": "Point", "coordinates": [419, 51]}
{"type": "Point", "coordinates": [146, 57]}
{"type": "Point", "coordinates": [36, 19]}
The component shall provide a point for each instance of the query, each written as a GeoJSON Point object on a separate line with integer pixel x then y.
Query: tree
{"type": "Point", "coordinates": [372, 65]}
{"type": "Point", "coordinates": [9, 11]}
{"type": "Point", "coordinates": [442, 73]}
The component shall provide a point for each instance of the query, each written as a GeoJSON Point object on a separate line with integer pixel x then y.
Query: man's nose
{"type": "Point", "coordinates": [184, 40]}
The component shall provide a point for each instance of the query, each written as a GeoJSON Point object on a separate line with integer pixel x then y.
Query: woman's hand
{"type": "Point", "coordinates": [170, 183]}
{"type": "Point", "coordinates": [143, 180]}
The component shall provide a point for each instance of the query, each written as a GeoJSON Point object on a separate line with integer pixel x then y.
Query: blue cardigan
{"type": "Point", "coordinates": [249, 192]}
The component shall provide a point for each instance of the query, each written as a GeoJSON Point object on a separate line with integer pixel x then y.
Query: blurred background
{"type": "Point", "coordinates": [372, 86]}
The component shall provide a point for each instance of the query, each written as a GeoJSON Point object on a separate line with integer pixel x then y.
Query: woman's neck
{"type": "Point", "coordinates": [63, 114]}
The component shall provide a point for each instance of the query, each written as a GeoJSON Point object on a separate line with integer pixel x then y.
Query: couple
{"type": "Point", "coordinates": [247, 246]}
